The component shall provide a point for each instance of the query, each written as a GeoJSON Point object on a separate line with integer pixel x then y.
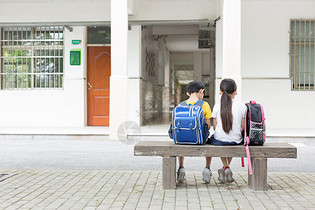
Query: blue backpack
{"type": "Point", "coordinates": [188, 124]}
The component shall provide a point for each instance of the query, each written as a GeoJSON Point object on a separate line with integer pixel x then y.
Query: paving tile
{"type": "Point", "coordinates": [142, 190]}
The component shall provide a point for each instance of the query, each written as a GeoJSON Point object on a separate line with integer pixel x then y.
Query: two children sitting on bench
{"type": "Point", "coordinates": [228, 124]}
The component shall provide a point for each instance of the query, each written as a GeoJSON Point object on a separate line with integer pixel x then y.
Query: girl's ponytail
{"type": "Point", "coordinates": [226, 112]}
{"type": "Point", "coordinates": [227, 86]}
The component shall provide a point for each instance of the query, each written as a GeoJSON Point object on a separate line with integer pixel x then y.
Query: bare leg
{"type": "Point", "coordinates": [206, 173]}
{"type": "Point", "coordinates": [229, 160]}
{"type": "Point", "coordinates": [181, 170]}
{"type": "Point", "coordinates": [208, 161]}
{"type": "Point", "coordinates": [226, 172]}
{"type": "Point", "coordinates": [225, 161]}
{"type": "Point", "coordinates": [181, 161]}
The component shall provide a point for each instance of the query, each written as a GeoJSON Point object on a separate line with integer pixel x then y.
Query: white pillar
{"type": "Point", "coordinates": [232, 42]}
{"type": "Point", "coordinates": [130, 7]}
{"type": "Point", "coordinates": [118, 79]}
{"type": "Point", "coordinates": [134, 67]}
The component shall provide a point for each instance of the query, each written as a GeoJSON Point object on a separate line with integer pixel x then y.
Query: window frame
{"type": "Point", "coordinates": [56, 54]}
{"type": "Point", "coordinates": [301, 54]}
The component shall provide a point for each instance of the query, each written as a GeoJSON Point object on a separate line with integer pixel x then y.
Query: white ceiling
{"type": "Point", "coordinates": [183, 43]}
{"type": "Point", "coordinates": [180, 38]}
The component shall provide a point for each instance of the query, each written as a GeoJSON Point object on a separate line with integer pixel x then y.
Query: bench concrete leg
{"type": "Point", "coordinates": [258, 181]}
{"type": "Point", "coordinates": [169, 173]}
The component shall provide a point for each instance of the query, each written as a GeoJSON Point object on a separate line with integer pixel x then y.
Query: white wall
{"type": "Point", "coordinates": [174, 9]}
{"type": "Point", "coordinates": [99, 10]}
{"type": "Point", "coordinates": [283, 108]}
{"type": "Point", "coordinates": [55, 108]}
{"type": "Point", "coordinates": [54, 11]}
{"type": "Point", "coordinates": [183, 43]}
{"type": "Point", "coordinates": [265, 48]}
{"type": "Point", "coordinates": [265, 35]}
{"type": "Point", "coordinates": [178, 58]}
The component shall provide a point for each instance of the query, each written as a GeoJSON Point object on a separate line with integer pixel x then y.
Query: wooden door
{"type": "Point", "coordinates": [98, 77]}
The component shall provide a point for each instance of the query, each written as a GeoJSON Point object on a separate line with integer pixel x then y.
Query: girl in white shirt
{"type": "Point", "coordinates": [228, 124]}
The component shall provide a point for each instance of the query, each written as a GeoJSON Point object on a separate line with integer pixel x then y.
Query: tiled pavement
{"type": "Point", "coordinates": [38, 189]}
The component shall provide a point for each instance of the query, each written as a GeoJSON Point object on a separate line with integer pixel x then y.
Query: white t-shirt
{"type": "Point", "coordinates": [238, 112]}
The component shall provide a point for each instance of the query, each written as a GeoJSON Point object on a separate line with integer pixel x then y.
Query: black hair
{"type": "Point", "coordinates": [227, 86]}
{"type": "Point", "coordinates": [195, 87]}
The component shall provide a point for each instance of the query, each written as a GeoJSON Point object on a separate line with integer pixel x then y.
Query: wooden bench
{"type": "Point", "coordinates": [259, 154]}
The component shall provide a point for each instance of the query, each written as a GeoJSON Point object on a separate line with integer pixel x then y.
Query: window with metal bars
{"type": "Point", "coordinates": [302, 54]}
{"type": "Point", "coordinates": [31, 57]}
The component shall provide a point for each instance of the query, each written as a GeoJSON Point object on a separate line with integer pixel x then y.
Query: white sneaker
{"type": "Point", "coordinates": [206, 175]}
{"type": "Point", "coordinates": [181, 177]}
{"type": "Point", "coordinates": [221, 177]}
{"type": "Point", "coordinates": [228, 175]}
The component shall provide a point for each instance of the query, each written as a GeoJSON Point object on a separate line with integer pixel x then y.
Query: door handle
{"type": "Point", "coordinates": [90, 86]}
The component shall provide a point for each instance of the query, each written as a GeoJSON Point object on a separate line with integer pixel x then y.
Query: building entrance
{"type": "Point", "coordinates": [173, 56]}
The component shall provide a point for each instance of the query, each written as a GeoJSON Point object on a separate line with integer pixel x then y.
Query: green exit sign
{"type": "Point", "coordinates": [76, 42]}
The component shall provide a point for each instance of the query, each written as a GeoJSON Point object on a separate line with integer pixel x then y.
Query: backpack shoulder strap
{"type": "Point", "coordinates": [183, 103]}
{"type": "Point", "coordinates": [199, 103]}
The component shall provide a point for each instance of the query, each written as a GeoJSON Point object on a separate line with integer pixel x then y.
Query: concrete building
{"type": "Point", "coordinates": [87, 67]}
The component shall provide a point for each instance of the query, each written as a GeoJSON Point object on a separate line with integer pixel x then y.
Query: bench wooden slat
{"type": "Point", "coordinates": [168, 148]}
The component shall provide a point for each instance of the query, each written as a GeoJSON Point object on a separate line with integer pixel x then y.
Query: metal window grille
{"type": "Point", "coordinates": [302, 54]}
{"type": "Point", "coordinates": [31, 57]}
